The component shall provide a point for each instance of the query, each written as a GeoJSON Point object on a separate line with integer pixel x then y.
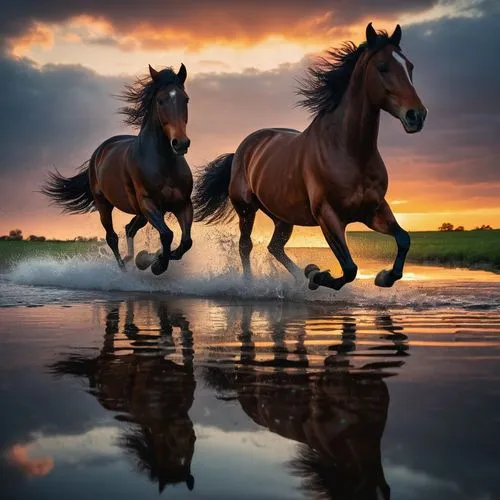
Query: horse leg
{"type": "Point", "coordinates": [138, 222]}
{"type": "Point", "coordinates": [282, 233]}
{"type": "Point", "coordinates": [185, 218]}
{"type": "Point", "coordinates": [246, 214]}
{"type": "Point", "coordinates": [105, 209]}
{"type": "Point", "coordinates": [383, 221]}
{"type": "Point", "coordinates": [156, 218]}
{"type": "Point", "coordinates": [334, 232]}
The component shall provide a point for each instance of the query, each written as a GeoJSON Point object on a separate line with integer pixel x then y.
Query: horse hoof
{"type": "Point", "coordinates": [384, 279]}
{"type": "Point", "coordinates": [312, 284]}
{"type": "Point", "coordinates": [309, 269]}
{"type": "Point", "coordinates": [159, 266]}
{"type": "Point", "coordinates": [143, 260]}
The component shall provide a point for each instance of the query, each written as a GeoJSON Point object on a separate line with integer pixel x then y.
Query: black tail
{"type": "Point", "coordinates": [211, 198]}
{"type": "Point", "coordinates": [73, 194]}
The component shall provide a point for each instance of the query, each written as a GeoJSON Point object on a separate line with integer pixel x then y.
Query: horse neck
{"type": "Point", "coordinates": [353, 126]}
{"type": "Point", "coordinates": [152, 135]}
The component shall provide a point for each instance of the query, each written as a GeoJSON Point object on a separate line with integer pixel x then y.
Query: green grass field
{"type": "Point", "coordinates": [13, 251]}
{"type": "Point", "coordinates": [473, 249]}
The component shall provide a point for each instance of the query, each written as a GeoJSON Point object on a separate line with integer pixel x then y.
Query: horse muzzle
{"type": "Point", "coordinates": [180, 146]}
{"type": "Point", "coordinates": [413, 120]}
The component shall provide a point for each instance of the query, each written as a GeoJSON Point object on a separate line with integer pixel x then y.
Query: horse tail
{"type": "Point", "coordinates": [72, 194]}
{"type": "Point", "coordinates": [211, 198]}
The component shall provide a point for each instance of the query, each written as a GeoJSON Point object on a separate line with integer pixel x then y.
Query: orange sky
{"type": "Point", "coordinates": [230, 53]}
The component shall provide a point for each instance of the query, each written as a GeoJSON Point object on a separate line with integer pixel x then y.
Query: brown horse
{"type": "Point", "coordinates": [331, 174]}
{"type": "Point", "coordinates": [151, 393]}
{"type": "Point", "coordinates": [145, 175]}
{"type": "Point", "coordinates": [337, 414]}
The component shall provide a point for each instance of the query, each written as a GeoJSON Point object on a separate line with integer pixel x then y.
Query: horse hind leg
{"type": "Point", "coordinates": [131, 229]}
{"type": "Point", "coordinates": [246, 214]}
{"type": "Point", "coordinates": [282, 234]}
{"type": "Point", "coordinates": [105, 209]}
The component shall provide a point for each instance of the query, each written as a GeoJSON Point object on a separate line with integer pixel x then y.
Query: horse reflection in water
{"type": "Point", "coordinates": [150, 392]}
{"type": "Point", "coordinates": [337, 414]}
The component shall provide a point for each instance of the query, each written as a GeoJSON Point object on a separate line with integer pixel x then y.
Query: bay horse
{"type": "Point", "coordinates": [133, 378]}
{"type": "Point", "coordinates": [337, 413]}
{"type": "Point", "coordinates": [145, 175]}
{"type": "Point", "coordinates": [331, 174]}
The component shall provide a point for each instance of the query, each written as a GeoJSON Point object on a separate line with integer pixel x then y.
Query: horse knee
{"type": "Point", "coordinates": [350, 273]}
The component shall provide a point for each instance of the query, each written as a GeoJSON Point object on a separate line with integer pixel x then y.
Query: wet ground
{"type": "Point", "coordinates": [114, 387]}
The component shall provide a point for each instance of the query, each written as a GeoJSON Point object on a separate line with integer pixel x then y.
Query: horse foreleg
{"type": "Point", "coordinates": [105, 210]}
{"type": "Point", "coordinates": [383, 221]}
{"type": "Point", "coordinates": [185, 219]}
{"type": "Point", "coordinates": [156, 218]}
{"type": "Point", "coordinates": [138, 222]}
{"type": "Point", "coordinates": [334, 232]}
{"type": "Point", "coordinates": [282, 233]}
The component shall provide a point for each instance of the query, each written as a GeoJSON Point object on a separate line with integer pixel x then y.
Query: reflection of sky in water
{"type": "Point", "coordinates": [440, 438]}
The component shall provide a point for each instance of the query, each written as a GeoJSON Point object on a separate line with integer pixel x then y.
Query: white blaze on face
{"type": "Point", "coordinates": [401, 60]}
{"type": "Point", "coordinates": [172, 93]}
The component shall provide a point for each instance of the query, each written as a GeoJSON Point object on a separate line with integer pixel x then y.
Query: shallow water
{"type": "Point", "coordinates": [123, 385]}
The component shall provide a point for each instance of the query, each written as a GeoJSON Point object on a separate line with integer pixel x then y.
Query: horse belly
{"type": "Point", "coordinates": [112, 179]}
{"type": "Point", "coordinates": [275, 177]}
{"type": "Point", "coordinates": [286, 204]}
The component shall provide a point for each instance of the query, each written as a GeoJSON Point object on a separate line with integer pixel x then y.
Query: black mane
{"type": "Point", "coordinates": [140, 96]}
{"type": "Point", "coordinates": [326, 82]}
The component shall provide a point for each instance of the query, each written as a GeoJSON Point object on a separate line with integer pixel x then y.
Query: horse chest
{"type": "Point", "coordinates": [362, 196]}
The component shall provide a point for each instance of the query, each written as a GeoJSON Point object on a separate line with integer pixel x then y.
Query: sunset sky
{"type": "Point", "coordinates": [62, 61]}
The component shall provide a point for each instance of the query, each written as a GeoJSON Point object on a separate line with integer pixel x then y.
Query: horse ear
{"type": "Point", "coordinates": [154, 74]}
{"type": "Point", "coordinates": [190, 482]}
{"type": "Point", "coordinates": [371, 36]}
{"type": "Point", "coordinates": [395, 38]}
{"type": "Point", "coordinates": [182, 74]}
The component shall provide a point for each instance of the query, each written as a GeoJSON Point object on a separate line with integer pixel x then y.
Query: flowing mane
{"type": "Point", "coordinates": [327, 80]}
{"type": "Point", "coordinates": [140, 96]}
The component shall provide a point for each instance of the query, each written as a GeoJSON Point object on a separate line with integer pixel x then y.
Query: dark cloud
{"type": "Point", "coordinates": [221, 19]}
{"type": "Point", "coordinates": [49, 116]}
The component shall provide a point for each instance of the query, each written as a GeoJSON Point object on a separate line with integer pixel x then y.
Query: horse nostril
{"type": "Point", "coordinates": [411, 115]}
{"type": "Point", "coordinates": [174, 142]}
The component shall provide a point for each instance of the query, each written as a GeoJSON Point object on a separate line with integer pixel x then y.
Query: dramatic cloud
{"type": "Point", "coordinates": [56, 116]}
{"type": "Point", "coordinates": [225, 20]}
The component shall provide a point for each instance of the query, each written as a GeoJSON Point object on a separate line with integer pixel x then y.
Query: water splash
{"type": "Point", "coordinates": [212, 270]}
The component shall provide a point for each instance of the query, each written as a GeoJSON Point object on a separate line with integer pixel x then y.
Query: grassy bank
{"type": "Point", "coordinates": [12, 251]}
{"type": "Point", "coordinates": [472, 249]}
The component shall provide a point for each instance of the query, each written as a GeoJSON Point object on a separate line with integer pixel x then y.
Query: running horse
{"type": "Point", "coordinates": [132, 377]}
{"type": "Point", "coordinates": [331, 174]}
{"type": "Point", "coordinates": [145, 175]}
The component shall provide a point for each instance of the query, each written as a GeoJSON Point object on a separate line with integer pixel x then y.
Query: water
{"type": "Point", "coordinates": [126, 385]}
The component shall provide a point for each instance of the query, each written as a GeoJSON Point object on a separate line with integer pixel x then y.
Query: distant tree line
{"type": "Point", "coordinates": [447, 226]}
{"type": "Point", "coordinates": [17, 235]}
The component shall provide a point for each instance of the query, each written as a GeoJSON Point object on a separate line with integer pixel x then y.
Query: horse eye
{"type": "Point", "coordinates": [383, 68]}
{"type": "Point", "coordinates": [160, 102]}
